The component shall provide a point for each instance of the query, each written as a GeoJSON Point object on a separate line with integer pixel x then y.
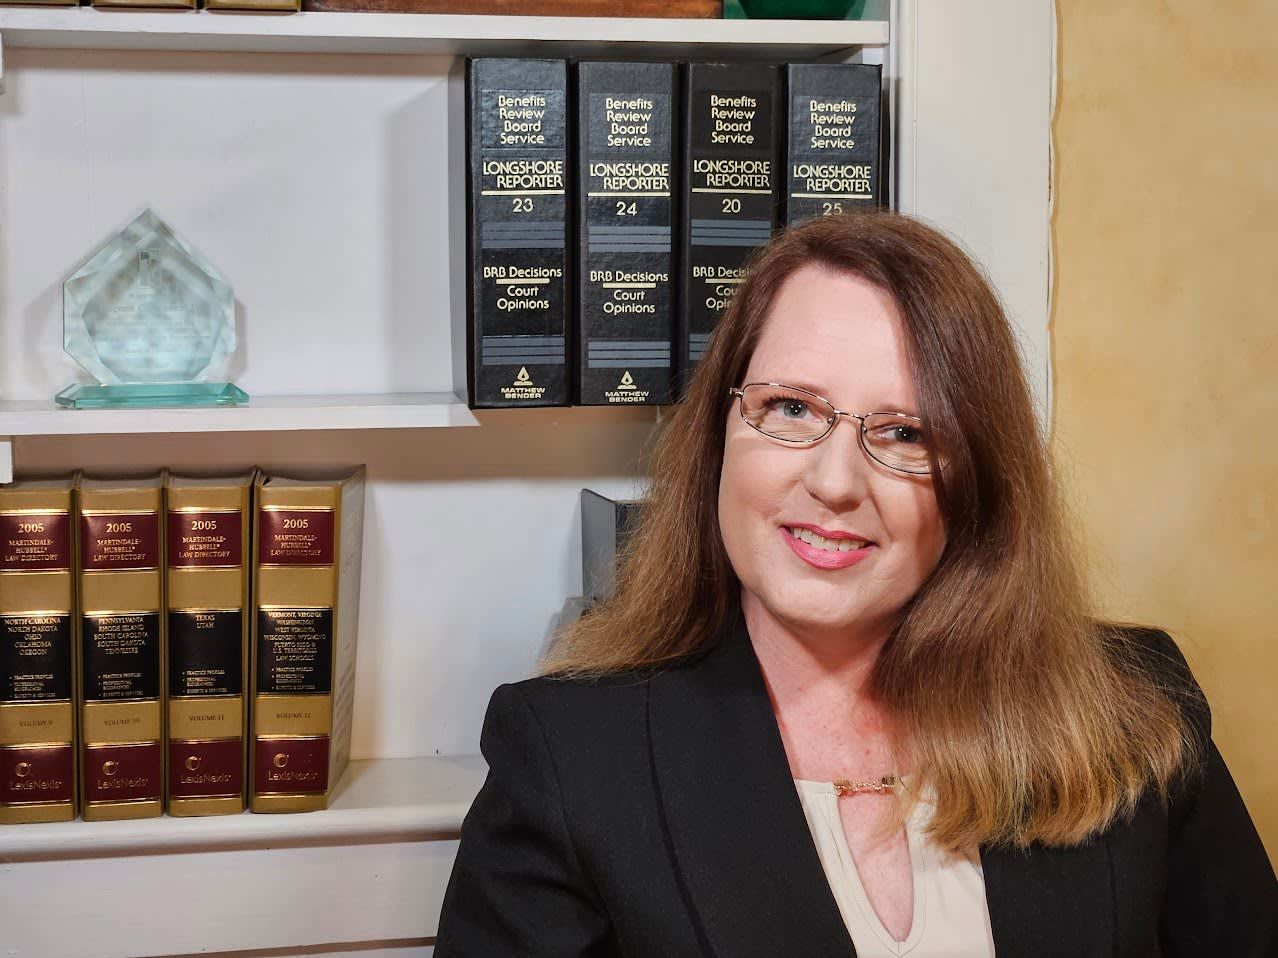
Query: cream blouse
{"type": "Point", "coordinates": [951, 919]}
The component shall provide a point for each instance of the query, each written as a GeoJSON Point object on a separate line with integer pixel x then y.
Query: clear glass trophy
{"type": "Point", "coordinates": [152, 320]}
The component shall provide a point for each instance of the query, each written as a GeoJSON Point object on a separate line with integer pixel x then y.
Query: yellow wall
{"type": "Point", "coordinates": [1165, 340]}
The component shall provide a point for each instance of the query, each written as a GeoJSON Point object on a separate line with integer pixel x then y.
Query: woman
{"type": "Point", "coordinates": [848, 694]}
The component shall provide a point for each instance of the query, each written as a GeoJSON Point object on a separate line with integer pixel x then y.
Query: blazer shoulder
{"type": "Point", "coordinates": [547, 691]}
{"type": "Point", "coordinates": [1158, 656]}
{"type": "Point", "coordinates": [574, 711]}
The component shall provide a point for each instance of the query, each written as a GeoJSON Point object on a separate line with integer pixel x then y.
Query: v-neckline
{"type": "Point", "coordinates": [828, 804]}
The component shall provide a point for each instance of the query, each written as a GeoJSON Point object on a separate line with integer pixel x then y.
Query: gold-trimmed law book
{"type": "Point", "coordinates": [207, 555]}
{"type": "Point", "coordinates": [120, 577]}
{"type": "Point", "coordinates": [135, 4]}
{"type": "Point", "coordinates": [279, 6]}
{"type": "Point", "coordinates": [309, 537]}
{"type": "Point", "coordinates": [37, 639]}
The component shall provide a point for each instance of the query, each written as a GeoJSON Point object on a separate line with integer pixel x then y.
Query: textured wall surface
{"type": "Point", "coordinates": [1165, 340]}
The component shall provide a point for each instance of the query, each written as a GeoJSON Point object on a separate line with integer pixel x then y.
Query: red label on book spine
{"type": "Point", "coordinates": [295, 537]}
{"type": "Point", "coordinates": [206, 769]}
{"type": "Point", "coordinates": [205, 539]}
{"type": "Point", "coordinates": [122, 773]}
{"type": "Point", "coordinates": [40, 773]}
{"type": "Point", "coordinates": [290, 766]}
{"type": "Point", "coordinates": [39, 542]}
{"type": "Point", "coordinates": [115, 541]}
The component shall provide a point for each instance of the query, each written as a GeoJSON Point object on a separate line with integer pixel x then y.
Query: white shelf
{"type": "Point", "coordinates": [310, 32]}
{"type": "Point", "coordinates": [265, 413]}
{"type": "Point", "coordinates": [378, 801]}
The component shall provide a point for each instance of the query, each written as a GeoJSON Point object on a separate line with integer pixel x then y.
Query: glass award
{"type": "Point", "coordinates": [152, 320]}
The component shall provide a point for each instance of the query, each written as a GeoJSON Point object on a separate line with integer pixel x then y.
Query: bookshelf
{"type": "Point", "coordinates": [437, 34]}
{"type": "Point", "coordinates": [308, 156]}
{"type": "Point", "coordinates": [264, 413]}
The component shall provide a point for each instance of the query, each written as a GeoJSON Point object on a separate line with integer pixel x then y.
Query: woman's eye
{"type": "Point", "coordinates": [904, 434]}
{"type": "Point", "coordinates": [793, 408]}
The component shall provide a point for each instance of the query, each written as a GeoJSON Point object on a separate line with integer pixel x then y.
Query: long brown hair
{"type": "Point", "coordinates": [1026, 719]}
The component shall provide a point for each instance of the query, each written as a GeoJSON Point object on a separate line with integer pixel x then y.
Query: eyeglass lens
{"type": "Point", "coordinates": [796, 415]}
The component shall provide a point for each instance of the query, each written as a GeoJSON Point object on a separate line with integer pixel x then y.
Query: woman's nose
{"type": "Point", "coordinates": [837, 471]}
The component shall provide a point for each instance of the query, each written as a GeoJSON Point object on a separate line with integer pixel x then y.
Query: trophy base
{"type": "Point", "coordinates": [150, 395]}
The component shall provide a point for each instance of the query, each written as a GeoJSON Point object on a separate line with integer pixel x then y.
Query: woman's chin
{"type": "Point", "coordinates": [814, 620]}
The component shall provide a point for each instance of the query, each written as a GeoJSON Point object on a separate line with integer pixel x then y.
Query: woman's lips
{"type": "Point", "coordinates": [822, 558]}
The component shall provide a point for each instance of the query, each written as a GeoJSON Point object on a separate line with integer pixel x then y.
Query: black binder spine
{"type": "Point", "coordinates": [731, 190]}
{"type": "Point", "coordinates": [832, 139]}
{"type": "Point", "coordinates": [625, 211]}
{"type": "Point", "coordinates": [517, 233]}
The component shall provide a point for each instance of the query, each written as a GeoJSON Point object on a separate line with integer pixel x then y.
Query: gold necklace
{"type": "Point", "coordinates": [843, 786]}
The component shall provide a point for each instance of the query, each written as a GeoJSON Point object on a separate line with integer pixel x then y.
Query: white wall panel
{"type": "Point", "coordinates": [224, 901]}
{"type": "Point", "coordinates": [973, 97]}
{"type": "Point", "coordinates": [313, 182]}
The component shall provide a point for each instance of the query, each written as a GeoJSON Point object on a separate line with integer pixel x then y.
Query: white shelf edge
{"type": "Point", "coordinates": [88, 28]}
{"type": "Point", "coordinates": [378, 800]}
{"type": "Point", "coordinates": [262, 414]}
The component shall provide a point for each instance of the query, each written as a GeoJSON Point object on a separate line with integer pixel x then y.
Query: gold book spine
{"type": "Point", "coordinates": [179, 4]}
{"type": "Point", "coordinates": [285, 6]}
{"type": "Point", "coordinates": [306, 607]}
{"type": "Point", "coordinates": [37, 641]}
{"type": "Point", "coordinates": [120, 567]}
{"type": "Point", "coordinates": [207, 597]}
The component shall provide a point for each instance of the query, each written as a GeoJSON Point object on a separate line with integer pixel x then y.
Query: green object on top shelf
{"type": "Point", "coordinates": [794, 9]}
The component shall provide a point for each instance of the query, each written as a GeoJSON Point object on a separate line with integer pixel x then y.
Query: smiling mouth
{"type": "Point", "coordinates": [817, 541]}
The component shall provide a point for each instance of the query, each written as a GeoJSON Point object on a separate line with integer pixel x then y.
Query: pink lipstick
{"type": "Point", "coordinates": [818, 554]}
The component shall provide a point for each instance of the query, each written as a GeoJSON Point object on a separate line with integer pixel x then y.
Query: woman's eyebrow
{"type": "Point", "coordinates": [798, 382]}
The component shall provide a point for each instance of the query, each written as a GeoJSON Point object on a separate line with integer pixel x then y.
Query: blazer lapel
{"type": "Point", "coordinates": [1048, 902]}
{"type": "Point", "coordinates": [735, 823]}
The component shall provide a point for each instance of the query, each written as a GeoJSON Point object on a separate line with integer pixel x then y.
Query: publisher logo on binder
{"type": "Point", "coordinates": [523, 387]}
{"type": "Point", "coordinates": [627, 391]}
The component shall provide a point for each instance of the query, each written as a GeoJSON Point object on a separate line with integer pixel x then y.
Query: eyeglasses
{"type": "Point", "coordinates": [790, 414]}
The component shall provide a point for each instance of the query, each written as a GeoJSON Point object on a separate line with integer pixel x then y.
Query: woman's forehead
{"type": "Point", "coordinates": [836, 331]}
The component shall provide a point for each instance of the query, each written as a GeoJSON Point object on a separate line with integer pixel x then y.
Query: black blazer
{"type": "Point", "coordinates": [656, 816]}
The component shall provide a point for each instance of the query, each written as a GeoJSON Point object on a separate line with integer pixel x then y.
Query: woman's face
{"type": "Point", "coordinates": [841, 337]}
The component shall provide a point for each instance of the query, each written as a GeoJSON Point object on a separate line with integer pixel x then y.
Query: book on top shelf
{"type": "Point", "coordinates": [625, 232]}
{"type": "Point", "coordinates": [833, 139]}
{"type": "Point", "coordinates": [731, 191]}
{"type": "Point", "coordinates": [517, 202]}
